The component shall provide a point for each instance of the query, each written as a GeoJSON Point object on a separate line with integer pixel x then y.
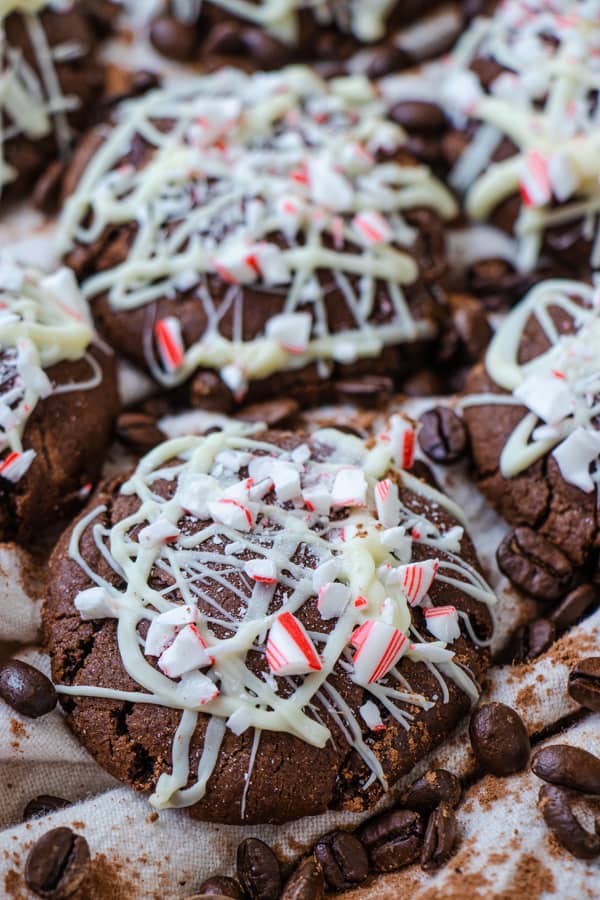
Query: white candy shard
{"type": "Point", "coordinates": [240, 720]}
{"type": "Point", "coordinates": [327, 571]}
{"type": "Point", "coordinates": [317, 499]}
{"type": "Point", "coordinates": [195, 492]}
{"type": "Point", "coordinates": [432, 651]}
{"type": "Point", "coordinates": [96, 603]}
{"type": "Point", "coordinates": [286, 478]}
{"type": "Point", "coordinates": [157, 533]}
{"type": "Point", "coordinates": [333, 599]}
{"type": "Point", "coordinates": [372, 228]}
{"type": "Point", "coordinates": [371, 716]}
{"type": "Point", "coordinates": [415, 578]}
{"type": "Point", "coordinates": [379, 647]}
{"type": "Point", "coordinates": [290, 650]}
{"type": "Point", "coordinates": [536, 189]}
{"type": "Point", "coordinates": [291, 330]}
{"type": "Point", "coordinates": [401, 436]}
{"type": "Point", "coordinates": [188, 651]}
{"type": "Point", "coordinates": [387, 502]}
{"type": "Point", "coordinates": [63, 288]}
{"type": "Point", "coordinates": [164, 627]}
{"type": "Point", "coordinates": [169, 341]}
{"type": "Point", "coordinates": [234, 508]}
{"type": "Point", "coordinates": [349, 487]}
{"type": "Point", "coordinates": [564, 177]}
{"type": "Point", "coordinates": [397, 540]}
{"type": "Point", "coordinates": [549, 397]}
{"type": "Point", "coordinates": [16, 464]}
{"type": "Point", "coordinates": [575, 456]}
{"type": "Point", "coordinates": [195, 689]}
{"type": "Point", "coordinates": [442, 622]}
{"type": "Point", "coordinates": [263, 570]}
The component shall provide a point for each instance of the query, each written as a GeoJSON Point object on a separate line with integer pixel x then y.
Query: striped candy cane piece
{"type": "Point", "coordinates": [169, 341]}
{"type": "Point", "coordinates": [379, 647]}
{"type": "Point", "coordinates": [387, 502]}
{"type": "Point", "coordinates": [402, 441]}
{"type": "Point", "coordinates": [16, 464]}
{"type": "Point", "coordinates": [536, 189]}
{"type": "Point", "coordinates": [188, 651]}
{"type": "Point", "coordinates": [159, 532]}
{"type": "Point", "coordinates": [442, 622]}
{"type": "Point", "coordinates": [195, 689]}
{"type": "Point", "coordinates": [290, 651]}
{"type": "Point", "coordinates": [349, 487]}
{"type": "Point", "coordinates": [333, 600]}
{"type": "Point", "coordinates": [291, 330]}
{"type": "Point", "coordinates": [262, 570]}
{"type": "Point", "coordinates": [164, 628]}
{"type": "Point", "coordinates": [416, 579]}
{"type": "Point", "coordinates": [372, 227]}
{"type": "Point", "coordinates": [371, 716]}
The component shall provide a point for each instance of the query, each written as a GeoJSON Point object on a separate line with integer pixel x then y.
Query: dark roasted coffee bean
{"type": "Point", "coordinates": [393, 840]}
{"type": "Point", "coordinates": [584, 683]}
{"type": "Point", "coordinates": [57, 864]}
{"type": "Point", "coordinates": [387, 59]}
{"type": "Point", "coordinates": [43, 806]}
{"type": "Point", "coordinates": [499, 739]}
{"type": "Point", "coordinates": [569, 767]}
{"type": "Point", "coordinates": [258, 870]}
{"type": "Point", "coordinates": [427, 149]}
{"type": "Point", "coordinates": [264, 49]}
{"type": "Point", "coordinates": [208, 392]}
{"type": "Point", "coordinates": [222, 886]}
{"type": "Point", "coordinates": [370, 391]}
{"type": "Point", "coordinates": [555, 803]}
{"type": "Point", "coordinates": [440, 838]}
{"type": "Point", "coordinates": [418, 116]}
{"type": "Point", "coordinates": [529, 641]}
{"type": "Point", "coordinates": [534, 565]}
{"type": "Point", "coordinates": [437, 786]}
{"type": "Point", "coordinates": [572, 607]}
{"type": "Point", "coordinates": [173, 38]}
{"type": "Point", "coordinates": [307, 882]}
{"type": "Point", "coordinates": [138, 431]}
{"type": "Point", "coordinates": [442, 435]}
{"type": "Point", "coordinates": [224, 38]}
{"type": "Point", "coordinates": [342, 858]}
{"type": "Point", "coordinates": [271, 412]}
{"type": "Point", "coordinates": [486, 69]}
{"type": "Point", "coordinates": [26, 689]}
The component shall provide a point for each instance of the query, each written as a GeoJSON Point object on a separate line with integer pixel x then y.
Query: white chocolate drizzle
{"type": "Point", "coordinates": [294, 550]}
{"type": "Point", "coordinates": [269, 180]}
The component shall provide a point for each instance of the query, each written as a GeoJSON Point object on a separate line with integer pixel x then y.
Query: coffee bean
{"type": "Point", "coordinates": [222, 886]}
{"type": "Point", "coordinates": [258, 870]}
{"type": "Point", "coordinates": [534, 565]}
{"type": "Point", "coordinates": [224, 38]}
{"type": "Point", "coordinates": [43, 806]}
{"type": "Point", "coordinates": [499, 739]}
{"type": "Point", "coordinates": [496, 283]}
{"type": "Point", "coordinates": [529, 641]}
{"type": "Point", "coordinates": [437, 786]}
{"type": "Point", "coordinates": [173, 38]}
{"type": "Point", "coordinates": [584, 683]}
{"type": "Point", "coordinates": [440, 838]}
{"type": "Point", "coordinates": [387, 59]}
{"type": "Point", "coordinates": [555, 803]}
{"type": "Point", "coordinates": [57, 864]}
{"type": "Point", "coordinates": [342, 858]}
{"type": "Point", "coordinates": [486, 69]}
{"type": "Point", "coordinates": [419, 116]}
{"type": "Point", "coordinates": [271, 412]}
{"type": "Point", "coordinates": [442, 435]}
{"type": "Point", "coordinates": [139, 431]}
{"type": "Point", "coordinates": [370, 391]}
{"type": "Point", "coordinates": [208, 392]}
{"type": "Point", "coordinates": [307, 882]}
{"type": "Point", "coordinates": [26, 689]}
{"type": "Point", "coordinates": [572, 607]}
{"type": "Point", "coordinates": [264, 49]}
{"type": "Point", "coordinates": [393, 840]}
{"type": "Point", "coordinates": [569, 767]}
{"type": "Point", "coordinates": [471, 326]}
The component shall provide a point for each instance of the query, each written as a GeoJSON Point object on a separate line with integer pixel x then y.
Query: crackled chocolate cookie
{"type": "Point", "coordinates": [260, 626]}
{"type": "Point", "coordinates": [532, 414]}
{"type": "Point", "coordinates": [263, 233]}
{"type": "Point", "coordinates": [521, 139]}
{"type": "Point", "coordinates": [51, 80]}
{"type": "Point", "coordinates": [58, 397]}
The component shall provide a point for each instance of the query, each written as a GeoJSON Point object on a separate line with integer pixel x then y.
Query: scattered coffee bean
{"type": "Point", "coordinates": [139, 431]}
{"type": "Point", "coordinates": [499, 739]}
{"type": "Point", "coordinates": [393, 840]}
{"type": "Point", "coordinates": [307, 882]}
{"type": "Point", "coordinates": [442, 435]}
{"type": "Point", "coordinates": [258, 870]}
{"type": "Point", "coordinates": [534, 565]}
{"type": "Point", "coordinates": [370, 391]}
{"type": "Point", "coordinates": [387, 59]}
{"type": "Point", "coordinates": [57, 864]}
{"type": "Point", "coordinates": [342, 858]}
{"type": "Point", "coordinates": [43, 806]}
{"type": "Point", "coordinates": [529, 641]}
{"type": "Point", "coordinates": [498, 285]}
{"type": "Point", "coordinates": [208, 392]}
{"type": "Point", "coordinates": [440, 838]}
{"type": "Point", "coordinates": [555, 803]}
{"type": "Point", "coordinates": [419, 116]}
{"type": "Point", "coordinates": [173, 38]}
{"type": "Point", "coordinates": [264, 49]}
{"type": "Point", "coordinates": [437, 786]}
{"type": "Point", "coordinates": [584, 683]}
{"type": "Point", "coordinates": [222, 886]}
{"type": "Point", "coordinates": [569, 767]}
{"type": "Point", "coordinates": [572, 607]}
{"type": "Point", "coordinates": [271, 412]}
{"type": "Point", "coordinates": [26, 689]}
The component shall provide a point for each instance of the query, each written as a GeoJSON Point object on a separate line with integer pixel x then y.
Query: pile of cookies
{"type": "Point", "coordinates": [323, 296]}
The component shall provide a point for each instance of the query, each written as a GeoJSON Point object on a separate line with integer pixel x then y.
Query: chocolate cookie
{"type": "Point", "coordinates": [58, 397]}
{"type": "Point", "coordinates": [531, 411]}
{"type": "Point", "coordinates": [265, 234]}
{"type": "Point", "coordinates": [52, 80]}
{"type": "Point", "coordinates": [520, 92]}
{"type": "Point", "coordinates": [261, 626]}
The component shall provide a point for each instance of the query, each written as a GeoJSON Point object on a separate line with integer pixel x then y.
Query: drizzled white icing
{"type": "Point", "coordinates": [44, 320]}
{"type": "Point", "coordinates": [546, 105]}
{"type": "Point", "coordinates": [270, 180]}
{"type": "Point", "coordinates": [239, 525]}
{"type": "Point", "coordinates": [560, 387]}
{"type": "Point", "coordinates": [32, 102]}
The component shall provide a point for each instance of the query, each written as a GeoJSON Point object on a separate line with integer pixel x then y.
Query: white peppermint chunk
{"type": "Point", "coordinates": [433, 651]}
{"type": "Point", "coordinates": [371, 716]}
{"type": "Point", "coordinates": [575, 456]}
{"type": "Point", "coordinates": [333, 600]}
{"type": "Point", "coordinates": [195, 689]}
{"type": "Point", "coordinates": [564, 176]}
{"type": "Point", "coordinates": [233, 460]}
{"type": "Point", "coordinates": [349, 487]}
{"type": "Point", "coordinates": [286, 478]}
{"type": "Point", "coordinates": [387, 502]}
{"type": "Point", "coordinates": [234, 513]}
{"type": "Point", "coordinates": [397, 540]}
{"type": "Point", "coordinates": [62, 286]}
{"type": "Point", "coordinates": [328, 187]}
{"type": "Point", "coordinates": [159, 532]}
{"type": "Point", "coordinates": [442, 622]}
{"type": "Point", "coordinates": [327, 571]}
{"type": "Point", "coordinates": [195, 493]}
{"type": "Point", "coordinates": [550, 398]}
{"type": "Point", "coordinates": [240, 720]}
{"type": "Point", "coordinates": [165, 626]}
{"type": "Point", "coordinates": [317, 499]}
{"type": "Point", "coordinates": [96, 603]}
{"type": "Point", "coordinates": [263, 570]}
{"type": "Point", "coordinates": [188, 651]}
{"type": "Point", "coordinates": [272, 264]}
{"type": "Point", "coordinates": [291, 330]}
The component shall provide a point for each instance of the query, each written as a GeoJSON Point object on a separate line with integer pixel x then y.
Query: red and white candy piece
{"type": "Point", "coordinates": [536, 189]}
{"type": "Point", "coordinates": [291, 330]}
{"type": "Point", "coordinates": [326, 572]}
{"type": "Point", "coordinates": [372, 228]}
{"type": "Point", "coordinates": [442, 622]}
{"type": "Point", "coordinates": [333, 599]}
{"type": "Point", "coordinates": [401, 438]}
{"type": "Point", "coordinates": [387, 502]}
{"type": "Point", "coordinates": [349, 487]}
{"type": "Point", "coordinates": [290, 650]}
{"type": "Point", "coordinates": [195, 689]}
{"type": "Point", "coordinates": [432, 651]}
{"type": "Point", "coordinates": [62, 286]}
{"type": "Point", "coordinates": [15, 465]}
{"type": "Point", "coordinates": [399, 541]}
{"type": "Point", "coordinates": [328, 187]}
{"type": "Point", "coordinates": [187, 652]}
{"type": "Point", "coordinates": [234, 508]}
{"type": "Point", "coordinates": [371, 716]}
{"type": "Point", "coordinates": [96, 603]}
{"type": "Point", "coordinates": [195, 493]}
{"type": "Point", "coordinates": [33, 376]}
{"type": "Point", "coordinates": [563, 175]}
{"type": "Point", "coordinates": [235, 379]}
{"type": "Point", "coordinates": [317, 499]}
{"type": "Point", "coordinates": [575, 456]}
{"type": "Point", "coordinates": [157, 533]}
{"type": "Point", "coordinates": [164, 627]}
{"type": "Point", "coordinates": [262, 570]}
{"type": "Point", "coordinates": [286, 478]}
{"type": "Point", "coordinates": [379, 647]}
{"type": "Point", "coordinates": [415, 578]}
{"type": "Point", "coordinates": [169, 341]}
{"type": "Point", "coordinates": [548, 396]}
